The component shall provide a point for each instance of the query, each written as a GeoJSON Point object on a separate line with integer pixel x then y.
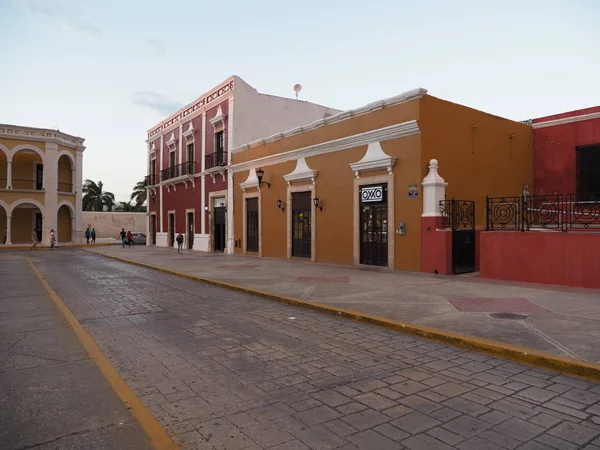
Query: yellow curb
{"type": "Point", "coordinates": [28, 246]}
{"type": "Point", "coordinates": [159, 439]}
{"type": "Point", "coordinates": [530, 357]}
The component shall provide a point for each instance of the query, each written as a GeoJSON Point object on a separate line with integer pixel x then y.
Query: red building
{"type": "Point", "coordinates": [189, 154]}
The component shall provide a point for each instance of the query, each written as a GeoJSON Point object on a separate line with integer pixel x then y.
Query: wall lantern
{"type": "Point", "coordinates": [206, 208]}
{"type": "Point", "coordinates": [280, 205]}
{"type": "Point", "coordinates": [153, 196]}
{"type": "Point", "coordinates": [317, 203]}
{"type": "Point", "coordinates": [260, 174]}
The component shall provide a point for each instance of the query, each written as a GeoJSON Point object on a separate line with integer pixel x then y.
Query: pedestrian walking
{"type": "Point", "coordinates": [179, 240]}
{"type": "Point", "coordinates": [123, 235]}
{"type": "Point", "coordinates": [87, 235]}
{"type": "Point", "coordinates": [52, 239]}
{"type": "Point", "coordinates": [129, 238]}
{"type": "Point", "coordinates": [34, 239]}
{"type": "Point", "coordinates": [93, 235]}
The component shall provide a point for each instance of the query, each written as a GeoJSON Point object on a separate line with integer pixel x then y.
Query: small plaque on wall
{"type": "Point", "coordinates": [413, 191]}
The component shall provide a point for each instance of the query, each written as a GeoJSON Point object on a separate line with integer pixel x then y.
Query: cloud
{"type": "Point", "coordinates": [67, 18]}
{"type": "Point", "coordinates": [155, 101]}
{"type": "Point", "coordinates": [156, 46]}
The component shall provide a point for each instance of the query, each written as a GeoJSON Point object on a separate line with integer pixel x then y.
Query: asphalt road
{"type": "Point", "coordinates": [224, 370]}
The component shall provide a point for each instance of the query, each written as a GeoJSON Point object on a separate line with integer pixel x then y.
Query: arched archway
{"type": "Point", "coordinates": [64, 221]}
{"type": "Point", "coordinates": [26, 216]}
{"type": "Point", "coordinates": [3, 169]}
{"type": "Point", "coordinates": [4, 223]}
{"type": "Point", "coordinates": [65, 172]}
{"type": "Point", "coordinates": [27, 168]}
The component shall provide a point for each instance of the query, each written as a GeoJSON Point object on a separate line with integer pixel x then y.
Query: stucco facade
{"type": "Point", "coordinates": [383, 149]}
{"type": "Point", "coordinates": [40, 184]}
{"type": "Point", "coordinates": [189, 154]}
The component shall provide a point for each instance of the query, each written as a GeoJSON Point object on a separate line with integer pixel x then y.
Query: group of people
{"type": "Point", "coordinates": [126, 237]}
{"type": "Point", "coordinates": [35, 241]}
{"type": "Point", "coordinates": [90, 234]}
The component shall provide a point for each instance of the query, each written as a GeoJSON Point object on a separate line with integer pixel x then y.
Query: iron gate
{"type": "Point", "coordinates": [301, 227]}
{"type": "Point", "coordinates": [219, 229]}
{"type": "Point", "coordinates": [459, 215]}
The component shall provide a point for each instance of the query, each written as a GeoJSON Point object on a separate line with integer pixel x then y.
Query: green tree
{"type": "Point", "coordinates": [95, 198]}
{"type": "Point", "coordinates": [139, 194]}
{"type": "Point", "coordinates": [126, 207]}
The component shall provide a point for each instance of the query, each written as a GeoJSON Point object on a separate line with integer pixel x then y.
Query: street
{"type": "Point", "coordinates": [226, 370]}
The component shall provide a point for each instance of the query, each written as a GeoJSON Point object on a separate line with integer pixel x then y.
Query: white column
{"type": "Point", "coordinates": [50, 185]}
{"type": "Point", "coordinates": [78, 186]}
{"type": "Point", "coordinates": [203, 180]}
{"type": "Point", "coordinates": [230, 230]}
{"type": "Point", "coordinates": [8, 231]}
{"type": "Point", "coordinates": [180, 144]}
{"type": "Point", "coordinates": [9, 174]}
{"type": "Point", "coordinates": [73, 181]}
{"type": "Point", "coordinates": [160, 198]}
{"type": "Point", "coordinates": [434, 191]}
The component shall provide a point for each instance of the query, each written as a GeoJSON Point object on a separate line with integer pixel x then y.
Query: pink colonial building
{"type": "Point", "coordinates": [189, 154]}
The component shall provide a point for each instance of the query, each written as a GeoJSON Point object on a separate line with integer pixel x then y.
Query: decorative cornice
{"type": "Point", "coordinates": [152, 149]}
{"type": "Point", "coordinates": [565, 120]}
{"type": "Point", "coordinates": [41, 135]}
{"type": "Point", "coordinates": [356, 140]}
{"type": "Point", "coordinates": [219, 117]}
{"type": "Point", "coordinates": [189, 133]}
{"type": "Point", "coordinates": [374, 159]}
{"type": "Point", "coordinates": [339, 117]}
{"type": "Point", "coordinates": [251, 181]}
{"type": "Point", "coordinates": [171, 142]}
{"type": "Point", "coordinates": [301, 173]}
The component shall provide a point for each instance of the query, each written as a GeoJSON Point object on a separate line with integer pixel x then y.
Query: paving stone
{"type": "Point", "coordinates": [369, 439]}
{"type": "Point", "coordinates": [450, 389]}
{"type": "Point", "coordinates": [445, 436]}
{"type": "Point", "coordinates": [503, 440]}
{"type": "Point", "coordinates": [418, 403]}
{"type": "Point", "coordinates": [425, 442]}
{"type": "Point", "coordinates": [242, 420]}
{"type": "Point", "coordinates": [566, 410]}
{"type": "Point", "coordinates": [320, 438]}
{"type": "Point", "coordinates": [519, 429]}
{"type": "Point", "coordinates": [268, 434]}
{"type": "Point", "coordinates": [488, 393]}
{"type": "Point", "coordinates": [291, 445]}
{"type": "Point", "coordinates": [408, 387]}
{"type": "Point", "coordinates": [365, 419]}
{"type": "Point", "coordinates": [513, 409]}
{"type": "Point", "coordinates": [466, 426]}
{"type": "Point", "coordinates": [476, 398]}
{"type": "Point", "coordinates": [573, 432]}
{"type": "Point", "coordinates": [444, 414]}
{"type": "Point", "coordinates": [391, 432]}
{"type": "Point", "coordinates": [573, 382]}
{"type": "Point", "coordinates": [331, 398]}
{"type": "Point", "coordinates": [580, 396]}
{"type": "Point", "coordinates": [350, 408]}
{"type": "Point", "coordinates": [415, 423]}
{"type": "Point", "coordinates": [477, 443]}
{"type": "Point", "coordinates": [556, 443]}
{"type": "Point", "coordinates": [318, 415]}
{"type": "Point", "coordinates": [415, 375]}
{"type": "Point", "coordinates": [290, 424]}
{"type": "Point", "coordinates": [545, 420]}
{"type": "Point", "coordinates": [308, 403]}
{"type": "Point", "coordinates": [375, 401]}
{"type": "Point", "coordinates": [534, 445]}
{"type": "Point", "coordinates": [397, 411]}
{"type": "Point", "coordinates": [342, 429]}
{"type": "Point", "coordinates": [271, 412]}
{"type": "Point", "coordinates": [368, 385]}
{"type": "Point", "coordinates": [569, 403]}
{"type": "Point", "coordinates": [389, 393]}
{"type": "Point", "coordinates": [466, 407]}
{"type": "Point", "coordinates": [537, 395]}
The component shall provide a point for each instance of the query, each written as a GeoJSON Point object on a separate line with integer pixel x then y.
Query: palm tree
{"type": "Point", "coordinates": [139, 194]}
{"type": "Point", "coordinates": [126, 207]}
{"type": "Point", "coordinates": [95, 198]}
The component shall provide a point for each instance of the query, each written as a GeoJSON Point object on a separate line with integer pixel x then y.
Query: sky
{"type": "Point", "coordinates": [110, 70]}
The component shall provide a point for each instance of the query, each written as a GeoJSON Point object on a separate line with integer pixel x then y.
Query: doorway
{"type": "Point", "coordinates": [38, 225]}
{"type": "Point", "coordinates": [153, 229]}
{"type": "Point", "coordinates": [190, 230]}
{"type": "Point", "coordinates": [171, 229]}
{"type": "Point", "coordinates": [373, 225]}
{"type": "Point", "coordinates": [252, 231]}
{"type": "Point", "coordinates": [219, 229]}
{"type": "Point", "coordinates": [301, 224]}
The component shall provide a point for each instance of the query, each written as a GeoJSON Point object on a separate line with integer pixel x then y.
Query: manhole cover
{"type": "Point", "coordinates": [509, 316]}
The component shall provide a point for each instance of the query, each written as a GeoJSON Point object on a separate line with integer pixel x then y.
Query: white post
{"type": "Point", "coordinates": [50, 184]}
{"type": "Point", "coordinates": [9, 174]}
{"type": "Point", "coordinates": [180, 145]}
{"type": "Point", "coordinates": [160, 195]}
{"type": "Point", "coordinates": [230, 230]}
{"type": "Point", "coordinates": [8, 230]}
{"type": "Point", "coordinates": [203, 180]}
{"type": "Point", "coordinates": [78, 185]}
{"type": "Point", "coordinates": [434, 191]}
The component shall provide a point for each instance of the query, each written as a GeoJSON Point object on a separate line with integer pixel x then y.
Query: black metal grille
{"type": "Point", "coordinates": [186, 168]}
{"type": "Point", "coordinates": [216, 159]}
{"type": "Point", "coordinates": [459, 215]}
{"type": "Point", "coordinates": [301, 226]}
{"type": "Point", "coordinates": [150, 180]}
{"type": "Point", "coordinates": [252, 225]}
{"type": "Point", "coordinates": [560, 212]}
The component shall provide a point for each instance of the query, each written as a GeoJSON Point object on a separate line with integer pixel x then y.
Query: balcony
{"type": "Point", "coordinates": [217, 159]}
{"type": "Point", "coordinates": [150, 180]}
{"type": "Point", "coordinates": [180, 170]}
{"type": "Point", "coordinates": [27, 184]}
{"type": "Point", "coordinates": [65, 187]}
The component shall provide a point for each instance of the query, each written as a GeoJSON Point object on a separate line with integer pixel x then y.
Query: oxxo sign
{"type": "Point", "coordinates": [371, 194]}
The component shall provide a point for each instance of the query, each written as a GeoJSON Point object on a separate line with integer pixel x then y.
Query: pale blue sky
{"type": "Point", "coordinates": [109, 70]}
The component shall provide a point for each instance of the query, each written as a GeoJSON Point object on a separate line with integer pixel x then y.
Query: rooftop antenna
{"type": "Point", "coordinates": [297, 89]}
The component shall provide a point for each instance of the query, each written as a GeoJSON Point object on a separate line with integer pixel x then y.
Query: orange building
{"type": "Point", "coordinates": [350, 189]}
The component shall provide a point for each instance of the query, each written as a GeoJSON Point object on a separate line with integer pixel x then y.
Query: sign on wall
{"type": "Point", "coordinates": [371, 194]}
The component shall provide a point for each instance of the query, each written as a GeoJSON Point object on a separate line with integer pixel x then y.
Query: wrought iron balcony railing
{"type": "Point", "coordinates": [150, 180]}
{"type": "Point", "coordinates": [180, 170]}
{"type": "Point", "coordinates": [217, 159]}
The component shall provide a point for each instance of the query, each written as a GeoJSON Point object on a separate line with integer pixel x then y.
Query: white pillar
{"type": "Point", "coordinates": [160, 195]}
{"type": "Point", "coordinates": [78, 186]}
{"type": "Point", "coordinates": [180, 145]}
{"type": "Point", "coordinates": [9, 174]}
{"type": "Point", "coordinates": [434, 191]}
{"type": "Point", "coordinates": [230, 140]}
{"type": "Point", "coordinates": [8, 231]}
{"type": "Point", "coordinates": [50, 186]}
{"type": "Point", "coordinates": [73, 180]}
{"type": "Point", "coordinates": [203, 204]}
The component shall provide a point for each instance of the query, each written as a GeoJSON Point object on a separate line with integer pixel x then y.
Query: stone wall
{"type": "Point", "coordinates": [109, 224]}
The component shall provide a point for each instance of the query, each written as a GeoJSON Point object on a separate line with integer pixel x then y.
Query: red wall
{"type": "Point", "coordinates": [555, 160]}
{"type": "Point", "coordinates": [179, 201]}
{"type": "Point", "coordinates": [436, 247]}
{"type": "Point", "coordinates": [541, 257]}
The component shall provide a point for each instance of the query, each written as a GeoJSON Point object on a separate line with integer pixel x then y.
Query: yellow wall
{"type": "Point", "coordinates": [11, 196]}
{"type": "Point", "coordinates": [65, 174]}
{"type": "Point", "coordinates": [334, 228]}
{"type": "Point", "coordinates": [3, 169]}
{"type": "Point", "coordinates": [64, 224]}
{"type": "Point", "coordinates": [23, 222]}
{"type": "Point", "coordinates": [23, 170]}
{"type": "Point", "coordinates": [66, 197]}
{"type": "Point", "coordinates": [11, 143]}
{"type": "Point", "coordinates": [475, 153]}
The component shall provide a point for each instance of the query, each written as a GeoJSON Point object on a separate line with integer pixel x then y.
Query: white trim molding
{"type": "Point", "coordinates": [399, 130]}
{"type": "Point", "coordinates": [189, 133]}
{"type": "Point", "coordinates": [171, 142]}
{"type": "Point", "coordinates": [565, 120]}
{"type": "Point", "coordinates": [251, 182]}
{"type": "Point", "coordinates": [407, 96]}
{"type": "Point", "coordinates": [374, 159]}
{"type": "Point", "coordinates": [301, 173]}
{"type": "Point", "coordinates": [41, 135]}
{"type": "Point", "coordinates": [218, 120]}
